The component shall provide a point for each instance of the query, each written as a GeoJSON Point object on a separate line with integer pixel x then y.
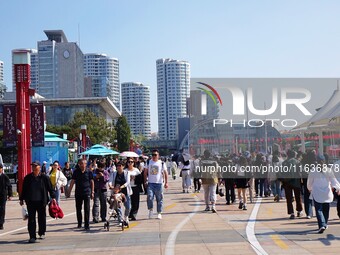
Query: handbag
{"type": "Point", "coordinates": [55, 210]}
{"type": "Point", "coordinates": [24, 213]}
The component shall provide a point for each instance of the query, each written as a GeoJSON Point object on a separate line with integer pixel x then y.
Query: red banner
{"type": "Point", "coordinates": [10, 125]}
{"type": "Point", "coordinates": [37, 124]}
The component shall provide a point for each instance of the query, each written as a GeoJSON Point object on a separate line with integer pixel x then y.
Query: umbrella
{"type": "Point", "coordinates": [129, 154]}
{"type": "Point", "coordinates": [99, 150]}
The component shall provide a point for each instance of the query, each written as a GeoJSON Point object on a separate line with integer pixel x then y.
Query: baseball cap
{"type": "Point", "coordinates": [44, 162]}
{"type": "Point", "coordinates": [35, 163]}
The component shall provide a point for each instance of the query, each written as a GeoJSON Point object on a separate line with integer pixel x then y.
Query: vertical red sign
{"type": "Point", "coordinates": [37, 124]}
{"type": "Point", "coordinates": [10, 123]}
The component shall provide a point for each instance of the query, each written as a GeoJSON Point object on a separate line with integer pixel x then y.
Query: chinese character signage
{"type": "Point", "coordinates": [37, 124]}
{"type": "Point", "coordinates": [9, 128]}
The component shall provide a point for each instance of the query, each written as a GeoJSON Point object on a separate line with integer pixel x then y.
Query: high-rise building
{"type": "Point", "coordinates": [173, 89]}
{"type": "Point", "coordinates": [2, 82]}
{"type": "Point", "coordinates": [57, 68]}
{"type": "Point", "coordinates": [102, 76]}
{"type": "Point", "coordinates": [136, 107]}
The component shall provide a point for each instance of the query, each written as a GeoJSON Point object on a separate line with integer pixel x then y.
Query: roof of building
{"type": "Point", "coordinates": [51, 137]}
{"type": "Point", "coordinates": [104, 102]}
{"type": "Point", "coordinates": [56, 35]}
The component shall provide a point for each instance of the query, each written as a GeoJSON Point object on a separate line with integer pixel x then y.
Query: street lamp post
{"type": "Point", "coordinates": [22, 76]}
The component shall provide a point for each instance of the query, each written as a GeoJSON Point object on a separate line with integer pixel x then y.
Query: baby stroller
{"type": "Point", "coordinates": [115, 212]}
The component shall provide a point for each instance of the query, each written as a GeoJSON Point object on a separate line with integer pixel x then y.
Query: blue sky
{"type": "Point", "coordinates": [218, 38]}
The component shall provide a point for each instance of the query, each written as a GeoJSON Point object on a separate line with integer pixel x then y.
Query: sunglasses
{"type": "Point", "coordinates": [131, 162]}
{"type": "Point", "coordinates": [154, 155]}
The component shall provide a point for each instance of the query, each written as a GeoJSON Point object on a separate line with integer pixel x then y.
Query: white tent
{"type": "Point", "coordinates": [327, 118]}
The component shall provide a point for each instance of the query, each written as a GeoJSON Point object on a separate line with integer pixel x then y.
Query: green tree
{"type": "Point", "coordinates": [97, 128]}
{"type": "Point", "coordinates": [123, 134]}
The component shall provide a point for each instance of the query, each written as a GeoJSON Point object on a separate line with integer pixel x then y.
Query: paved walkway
{"type": "Point", "coordinates": [185, 229]}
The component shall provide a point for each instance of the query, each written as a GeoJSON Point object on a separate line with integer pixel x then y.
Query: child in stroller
{"type": "Point", "coordinates": [116, 202]}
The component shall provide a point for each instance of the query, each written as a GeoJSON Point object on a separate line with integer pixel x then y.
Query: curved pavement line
{"type": "Point", "coordinates": [250, 230]}
{"type": "Point", "coordinates": [171, 242]}
{"type": "Point", "coordinates": [22, 228]}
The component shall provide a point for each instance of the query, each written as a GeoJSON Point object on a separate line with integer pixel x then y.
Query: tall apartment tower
{"type": "Point", "coordinates": [57, 68]}
{"type": "Point", "coordinates": [136, 107]}
{"type": "Point", "coordinates": [173, 88]}
{"type": "Point", "coordinates": [102, 77]}
{"type": "Point", "coordinates": [2, 81]}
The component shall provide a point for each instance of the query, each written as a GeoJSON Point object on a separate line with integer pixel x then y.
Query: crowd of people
{"type": "Point", "coordinates": [306, 178]}
{"type": "Point", "coordinates": [120, 184]}
{"type": "Point", "coordinates": [123, 180]}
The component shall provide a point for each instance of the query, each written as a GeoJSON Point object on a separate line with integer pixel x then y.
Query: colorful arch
{"type": "Point", "coordinates": [213, 90]}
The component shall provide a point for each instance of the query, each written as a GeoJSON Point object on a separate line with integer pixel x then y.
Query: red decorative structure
{"type": "Point", "coordinates": [21, 72]}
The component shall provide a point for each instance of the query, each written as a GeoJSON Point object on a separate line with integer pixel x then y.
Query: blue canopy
{"type": "Point", "coordinates": [99, 150]}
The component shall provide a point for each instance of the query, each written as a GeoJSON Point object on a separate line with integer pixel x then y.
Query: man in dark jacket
{"type": "Point", "coordinates": [35, 190]}
{"type": "Point", "coordinates": [5, 193]}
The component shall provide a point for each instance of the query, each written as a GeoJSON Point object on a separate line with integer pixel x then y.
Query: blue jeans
{"type": "Point", "coordinates": [307, 202]}
{"type": "Point", "coordinates": [57, 195]}
{"type": "Point", "coordinates": [155, 189]}
{"type": "Point", "coordinates": [276, 187]}
{"type": "Point", "coordinates": [322, 213]}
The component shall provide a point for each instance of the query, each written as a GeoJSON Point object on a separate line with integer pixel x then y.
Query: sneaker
{"type": "Point", "coordinates": [244, 207]}
{"type": "Point", "coordinates": [79, 226]}
{"type": "Point", "coordinates": [95, 221]}
{"type": "Point", "coordinates": [213, 209]}
{"type": "Point", "coordinates": [42, 237]}
{"type": "Point", "coordinates": [207, 209]}
{"type": "Point", "coordinates": [299, 214]}
{"type": "Point", "coordinates": [321, 230]}
{"type": "Point", "coordinates": [326, 226]}
{"type": "Point", "coordinates": [198, 191]}
{"type": "Point", "coordinates": [240, 205]}
{"type": "Point", "coordinates": [150, 214]}
{"type": "Point", "coordinates": [309, 217]}
{"type": "Point", "coordinates": [87, 228]}
{"type": "Point", "coordinates": [32, 240]}
{"type": "Point", "coordinates": [159, 216]}
{"type": "Point", "coordinates": [292, 216]}
{"type": "Point", "coordinates": [183, 191]}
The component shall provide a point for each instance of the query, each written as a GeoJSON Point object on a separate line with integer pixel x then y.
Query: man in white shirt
{"type": "Point", "coordinates": [155, 175]}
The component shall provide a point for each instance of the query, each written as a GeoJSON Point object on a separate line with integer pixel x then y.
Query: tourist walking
{"type": "Point", "coordinates": [67, 171]}
{"type": "Point", "coordinates": [320, 182]}
{"type": "Point", "coordinates": [57, 179]}
{"type": "Point", "coordinates": [122, 177]}
{"type": "Point", "coordinates": [36, 190]}
{"type": "Point", "coordinates": [5, 194]}
{"type": "Point", "coordinates": [209, 181]}
{"type": "Point", "coordinates": [155, 176]}
{"type": "Point", "coordinates": [101, 178]}
{"type": "Point", "coordinates": [135, 183]}
{"type": "Point", "coordinates": [291, 182]}
{"type": "Point", "coordinates": [83, 179]}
